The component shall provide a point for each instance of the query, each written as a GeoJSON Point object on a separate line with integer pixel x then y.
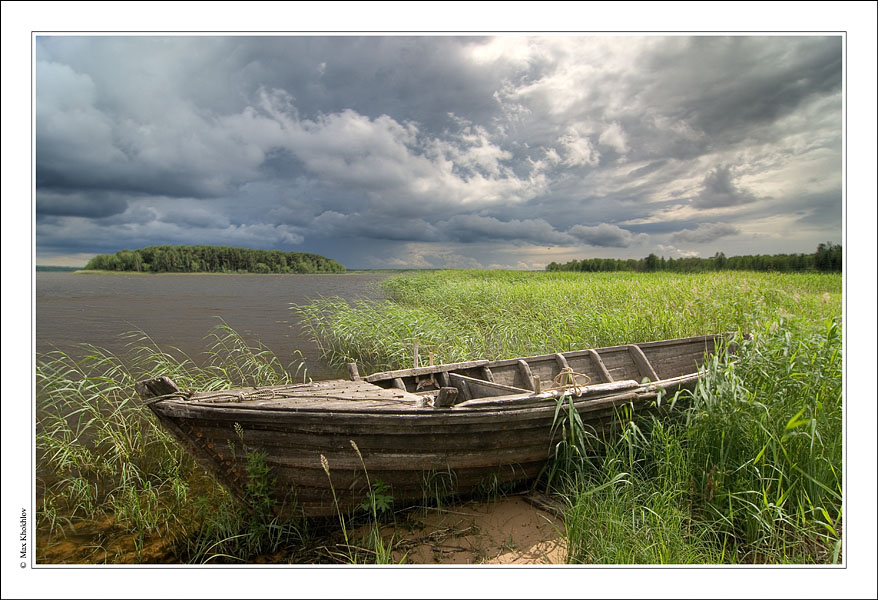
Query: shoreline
{"type": "Point", "coordinates": [101, 272]}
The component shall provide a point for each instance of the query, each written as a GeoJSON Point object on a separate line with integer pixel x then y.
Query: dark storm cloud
{"type": "Point", "coordinates": [353, 142]}
{"type": "Point", "coordinates": [727, 86]}
{"type": "Point", "coordinates": [604, 235]}
{"type": "Point", "coordinates": [720, 191]}
{"type": "Point", "coordinates": [819, 210]}
{"type": "Point", "coordinates": [92, 205]}
{"type": "Point", "coordinates": [471, 228]}
{"type": "Point", "coordinates": [660, 227]}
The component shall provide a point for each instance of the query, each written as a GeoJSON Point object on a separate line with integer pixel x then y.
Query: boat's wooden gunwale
{"type": "Point", "coordinates": [401, 373]}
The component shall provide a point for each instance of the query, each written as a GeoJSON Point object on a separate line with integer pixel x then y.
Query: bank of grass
{"type": "Point", "coordinates": [751, 472]}
{"type": "Point", "coordinates": [460, 315]}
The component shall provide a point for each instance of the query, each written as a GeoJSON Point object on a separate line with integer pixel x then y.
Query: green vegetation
{"type": "Point", "coordinates": [101, 456]}
{"type": "Point", "coordinates": [750, 472]}
{"type": "Point", "coordinates": [827, 259]}
{"type": "Point", "coordinates": [107, 472]}
{"type": "Point", "coordinates": [212, 259]}
{"type": "Point", "coordinates": [461, 315]}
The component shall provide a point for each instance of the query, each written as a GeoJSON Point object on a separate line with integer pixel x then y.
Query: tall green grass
{"type": "Point", "coordinates": [460, 315]}
{"type": "Point", "coordinates": [749, 472]}
{"type": "Point", "coordinates": [101, 455]}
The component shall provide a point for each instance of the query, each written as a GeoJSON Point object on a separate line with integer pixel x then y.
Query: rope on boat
{"type": "Point", "coordinates": [171, 396]}
{"type": "Point", "coordinates": [566, 380]}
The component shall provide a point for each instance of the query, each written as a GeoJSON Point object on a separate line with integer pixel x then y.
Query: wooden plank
{"type": "Point", "coordinates": [353, 373]}
{"type": "Point", "coordinates": [464, 393]}
{"type": "Point", "coordinates": [599, 363]}
{"type": "Point", "coordinates": [643, 365]}
{"type": "Point", "coordinates": [548, 397]}
{"type": "Point", "coordinates": [153, 390]}
{"type": "Point", "coordinates": [442, 377]}
{"type": "Point", "coordinates": [479, 388]}
{"type": "Point", "coordinates": [398, 383]}
{"type": "Point", "coordinates": [487, 374]}
{"type": "Point", "coordinates": [323, 393]}
{"type": "Point", "coordinates": [526, 374]}
{"type": "Point", "coordinates": [562, 362]}
{"type": "Point", "coordinates": [425, 370]}
{"type": "Point", "coordinates": [446, 397]}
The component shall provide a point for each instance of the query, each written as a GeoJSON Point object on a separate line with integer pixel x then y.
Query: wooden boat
{"type": "Point", "coordinates": [423, 432]}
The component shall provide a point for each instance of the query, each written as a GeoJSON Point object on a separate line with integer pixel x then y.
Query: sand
{"type": "Point", "coordinates": [505, 531]}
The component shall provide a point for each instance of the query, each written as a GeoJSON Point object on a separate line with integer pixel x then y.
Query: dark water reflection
{"type": "Point", "coordinates": [180, 310]}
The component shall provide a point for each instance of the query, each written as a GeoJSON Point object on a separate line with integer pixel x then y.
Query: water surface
{"type": "Point", "coordinates": [181, 309]}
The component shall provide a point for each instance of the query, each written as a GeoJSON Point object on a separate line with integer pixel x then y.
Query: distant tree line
{"type": "Point", "coordinates": [827, 258]}
{"type": "Point", "coordinates": [213, 259]}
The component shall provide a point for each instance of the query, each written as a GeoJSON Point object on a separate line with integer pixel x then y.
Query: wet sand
{"type": "Point", "coordinates": [504, 531]}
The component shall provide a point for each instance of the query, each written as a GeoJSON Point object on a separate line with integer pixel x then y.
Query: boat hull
{"type": "Point", "coordinates": [326, 443]}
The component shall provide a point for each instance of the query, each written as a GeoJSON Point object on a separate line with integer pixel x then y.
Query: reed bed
{"type": "Point", "coordinates": [101, 457]}
{"type": "Point", "coordinates": [460, 315]}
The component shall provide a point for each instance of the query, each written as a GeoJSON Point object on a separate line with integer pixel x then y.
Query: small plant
{"type": "Point", "coordinates": [439, 487]}
{"type": "Point", "coordinates": [570, 454]}
{"type": "Point", "coordinates": [378, 501]}
{"type": "Point", "coordinates": [258, 526]}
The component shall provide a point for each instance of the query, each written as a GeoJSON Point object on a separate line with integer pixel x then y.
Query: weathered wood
{"type": "Point", "coordinates": [478, 388]}
{"type": "Point", "coordinates": [642, 363]}
{"type": "Point", "coordinates": [562, 362]}
{"type": "Point", "coordinates": [548, 398]}
{"type": "Point", "coordinates": [442, 377]}
{"type": "Point", "coordinates": [151, 389]}
{"type": "Point", "coordinates": [526, 374]}
{"type": "Point", "coordinates": [426, 370]}
{"type": "Point", "coordinates": [446, 397]}
{"type": "Point", "coordinates": [487, 374]}
{"type": "Point", "coordinates": [599, 363]}
{"type": "Point", "coordinates": [353, 372]}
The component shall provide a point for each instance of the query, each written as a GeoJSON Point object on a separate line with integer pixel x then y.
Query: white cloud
{"type": "Point", "coordinates": [578, 149]}
{"type": "Point", "coordinates": [706, 232]}
{"type": "Point", "coordinates": [614, 137]}
{"type": "Point", "coordinates": [674, 252]}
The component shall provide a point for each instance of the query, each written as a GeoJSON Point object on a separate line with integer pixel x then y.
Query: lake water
{"type": "Point", "coordinates": [180, 310]}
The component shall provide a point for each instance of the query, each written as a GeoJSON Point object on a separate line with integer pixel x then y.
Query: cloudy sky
{"type": "Point", "coordinates": [439, 151]}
